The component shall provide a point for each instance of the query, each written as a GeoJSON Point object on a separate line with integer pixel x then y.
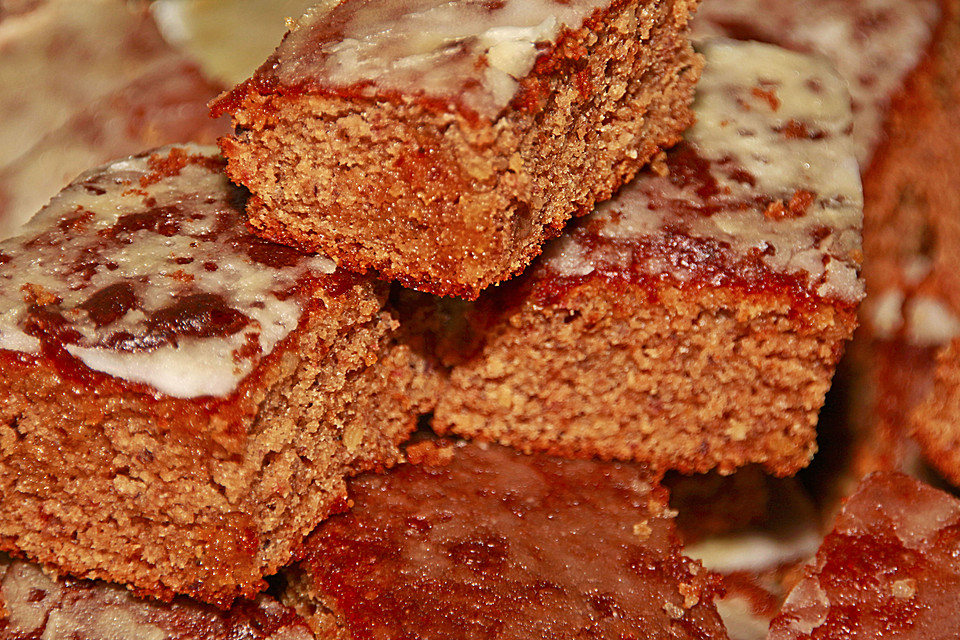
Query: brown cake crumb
{"type": "Point", "coordinates": [442, 144]}
{"type": "Point", "coordinates": [680, 324]}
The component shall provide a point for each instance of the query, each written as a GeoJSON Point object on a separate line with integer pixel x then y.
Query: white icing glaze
{"type": "Point", "coordinates": [174, 240]}
{"type": "Point", "coordinates": [472, 51]}
{"type": "Point", "coordinates": [773, 127]}
{"type": "Point", "coordinates": [873, 43]}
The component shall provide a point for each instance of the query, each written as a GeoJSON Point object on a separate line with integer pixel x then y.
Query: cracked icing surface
{"type": "Point", "coordinates": [873, 43]}
{"type": "Point", "coordinates": [142, 269]}
{"type": "Point", "coordinates": [473, 51]}
{"type": "Point", "coordinates": [483, 542]}
{"type": "Point", "coordinates": [765, 184]}
{"type": "Point", "coordinates": [889, 568]}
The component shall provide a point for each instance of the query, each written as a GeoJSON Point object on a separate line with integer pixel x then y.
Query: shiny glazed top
{"type": "Point", "coordinates": [143, 269]}
{"type": "Point", "coordinates": [496, 544]}
{"type": "Point", "coordinates": [764, 188]}
{"type": "Point", "coordinates": [471, 53]}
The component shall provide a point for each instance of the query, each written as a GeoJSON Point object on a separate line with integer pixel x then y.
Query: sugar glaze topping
{"type": "Point", "coordinates": [766, 176]}
{"type": "Point", "coordinates": [874, 44]}
{"type": "Point", "coordinates": [472, 51]}
{"type": "Point", "coordinates": [143, 270]}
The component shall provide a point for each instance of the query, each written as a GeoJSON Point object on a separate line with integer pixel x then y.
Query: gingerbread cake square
{"type": "Point", "coordinates": [694, 321]}
{"type": "Point", "coordinates": [901, 61]}
{"type": "Point", "coordinates": [480, 541]}
{"type": "Point", "coordinates": [181, 400]}
{"type": "Point", "coordinates": [440, 143]}
{"type": "Point", "coordinates": [889, 568]}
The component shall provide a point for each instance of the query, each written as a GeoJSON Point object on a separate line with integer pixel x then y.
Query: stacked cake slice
{"type": "Point", "coordinates": [212, 367]}
{"type": "Point", "coordinates": [694, 321]}
{"type": "Point", "coordinates": [181, 399]}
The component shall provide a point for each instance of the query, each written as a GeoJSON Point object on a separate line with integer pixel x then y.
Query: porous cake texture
{"type": "Point", "coordinates": [442, 143]}
{"type": "Point", "coordinates": [694, 321]}
{"type": "Point", "coordinates": [479, 541]}
{"type": "Point", "coordinates": [181, 400]}
{"type": "Point", "coordinates": [888, 569]}
{"type": "Point", "coordinates": [36, 605]}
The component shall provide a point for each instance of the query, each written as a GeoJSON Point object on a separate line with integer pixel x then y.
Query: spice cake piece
{"type": "Point", "coordinates": [889, 568]}
{"type": "Point", "coordinates": [442, 143]}
{"type": "Point", "coordinates": [480, 541]}
{"type": "Point", "coordinates": [693, 322]}
{"type": "Point", "coordinates": [35, 605]}
{"type": "Point", "coordinates": [84, 83]}
{"type": "Point", "coordinates": [901, 60]}
{"type": "Point", "coordinates": [181, 400]}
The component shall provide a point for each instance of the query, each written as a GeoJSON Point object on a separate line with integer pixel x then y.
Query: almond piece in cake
{"type": "Point", "coordinates": [441, 143]}
{"type": "Point", "coordinates": [694, 321]}
{"type": "Point", "coordinates": [479, 541]}
{"type": "Point", "coordinates": [888, 569]}
{"type": "Point", "coordinates": [181, 400]}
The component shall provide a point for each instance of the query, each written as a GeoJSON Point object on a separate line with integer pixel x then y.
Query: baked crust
{"type": "Point", "coordinates": [486, 542]}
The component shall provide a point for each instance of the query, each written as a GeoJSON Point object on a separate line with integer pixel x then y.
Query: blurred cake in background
{"type": "Point", "coordinates": [85, 82]}
{"type": "Point", "coordinates": [207, 30]}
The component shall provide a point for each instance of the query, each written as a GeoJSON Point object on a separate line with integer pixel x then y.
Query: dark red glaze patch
{"type": "Point", "coordinates": [688, 170]}
{"type": "Point", "coordinates": [267, 253]}
{"type": "Point", "coordinates": [110, 303]}
{"type": "Point", "coordinates": [162, 220]}
{"type": "Point", "coordinates": [202, 315]}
